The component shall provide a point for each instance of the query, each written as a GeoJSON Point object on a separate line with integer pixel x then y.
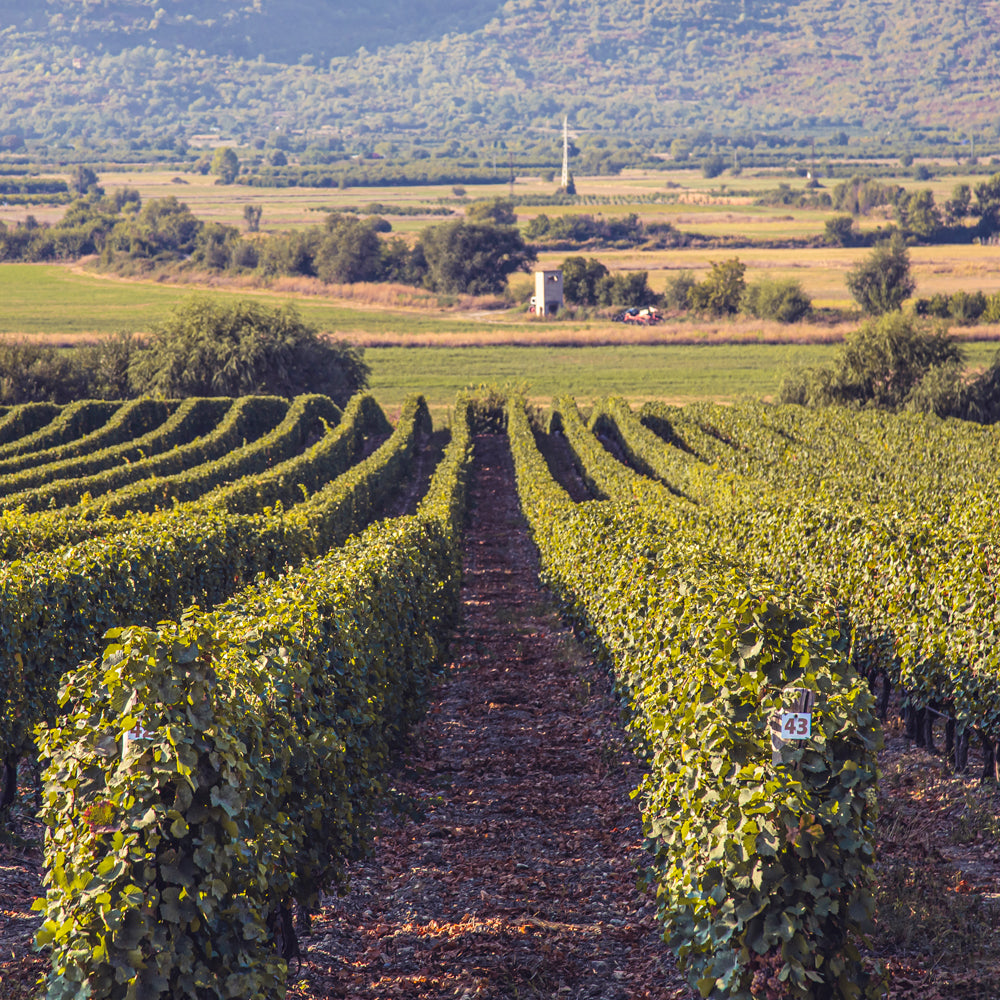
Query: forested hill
{"type": "Point", "coordinates": [278, 30]}
{"type": "Point", "coordinates": [76, 68]}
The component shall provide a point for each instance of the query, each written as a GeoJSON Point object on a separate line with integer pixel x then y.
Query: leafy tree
{"type": "Point", "coordinates": [215, 246]}
{"type": "Point", "coordinates": [472, 258]}
{"type": "Point", "coordinates": [956, 208]}
{"type": "Point", "coordinates": [917, 214]}
{"type": "Point", "coordinates": [882, 281]}
{"type": "Point", "coordinates": [292, 253]}
{"type": "Point", "coordinates": [839, 231]}
{"type": "Point", "coordinates": [626, 288]}
{"type": "Point", "coordinates": [582, 279]}
{"type": "Point", "coordinates": [251, 215]}
{"type": "Point", "coordinates": [84, 180]}
{"type": "Point", "coordinates": [350, 251]}
{"type": "Point", "coordinates": [164, 227]}
{"type": "Point", "coordinates": [880, 364]}
{"type": "Point", "coordinates": [499, 211]}
{"type": "Point", "coordinates": [721, 293]}
{"type": "Point", "coordinates": [712, 166]}
{"type": "Point", "coordinates": [209, 347]}
{"type": "Point", "coordinates": [225, 164]}
{"type": "Point", "coordinates": [784, 301]}
{"type": "Point", "coordinates": [677, 293]}
{"type": "Point", "coordinates": [860, 195]}
{"type": "Point", "coordinates": [987, 206]}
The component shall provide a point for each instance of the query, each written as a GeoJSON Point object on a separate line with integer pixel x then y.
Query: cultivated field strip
{"type": "Point", "coordinates": [188, 420]}
{"type": "Point", "coordinates": [19, 421]}
{"type": "Point", "coordinates": [72, 422]}
{"type": "Point", "coordinates": [305, 420]}
{"type": "Point", "coordinates": [54, 606]}
{"type": "Point", "coordinates": [236, 757]}
{"type": "Point", "coordinates": [762, 851]}
{"type": "Point", "coordinates": [131, 421]}
{"type": "Point", "coordinates": [287, 483]}
{"type": "Point", "coordinates": [223, 431]}
{"type": "Point", "coordinates": [897, 518]}
{"type": "Point", "coordinates": [293, 480]}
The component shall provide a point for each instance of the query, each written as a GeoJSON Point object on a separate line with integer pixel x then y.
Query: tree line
{"type": "Point", "coordinates": [472, 256]}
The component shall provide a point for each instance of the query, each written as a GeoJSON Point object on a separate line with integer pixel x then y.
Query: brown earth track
{"type": "Point", "coordinates": [518, 876]}
{"type": "Point", "coordinates": [428, 453]}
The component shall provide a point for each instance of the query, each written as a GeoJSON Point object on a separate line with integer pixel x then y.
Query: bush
{"type": "Point", "coordinates": [722, 290]}
{"type": "Point", "coordinates": [677, 294]}
{"type": "Point", "coordinates": [938, 306]}
{"type": "Point", "coordinates": [880, 364]}
{"type": "Point", "coordinates": [208, 347]}
{"type": "Point", "coordinates": [781, 300]}
{"type": "Point", "coordinates": [942, 391]}
{"type": "Point", "coordinates": [967, 307]}
{"type": "Point", "coordinates": [34, 373]}
{"type": "Point", "coordinates": [882, 281]}
{"type": "Point", "coordinates": [105, 366]}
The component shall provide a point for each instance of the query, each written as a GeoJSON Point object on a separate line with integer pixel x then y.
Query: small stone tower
{"type": "Point", "coordinates": [548, 298]}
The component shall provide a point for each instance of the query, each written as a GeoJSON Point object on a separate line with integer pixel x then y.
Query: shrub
{"type": "Point", "coordinates": [678, 291]}
{"type": "Point", "coordinates": [781, 300]}
{"type": "Point", "coordinates": [942, 391]}
{"type": "Point", "coordinates": [722, 290]}
{"type": "Point", "coordinates": [938, 306]}
{"type": "Point", "coordinates": [882, 280]}
{"type": "Point", "coordinates": [32, 373]}
{"type": "Point", "coordinates": [967, 307]}
{"type": "Point", "coordinates": [208, 347]}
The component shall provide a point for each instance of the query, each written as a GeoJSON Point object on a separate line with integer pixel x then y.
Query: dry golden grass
{"type": "Point", "coordinates": [566, 333]}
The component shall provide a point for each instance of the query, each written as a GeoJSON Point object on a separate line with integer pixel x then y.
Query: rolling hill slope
{"type": "Point", "coordinates": [144, 68]}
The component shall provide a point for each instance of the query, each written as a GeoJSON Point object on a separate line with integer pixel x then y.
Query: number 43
{"type": "Point", "coordinates": [796, 725]}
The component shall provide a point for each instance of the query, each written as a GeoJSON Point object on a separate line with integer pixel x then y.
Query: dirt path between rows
{"type": "Point", "coordinates": [518, 878]}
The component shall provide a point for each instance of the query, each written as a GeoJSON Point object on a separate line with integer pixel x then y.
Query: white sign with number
{"type": "Point", "coordinates": [796, 725]}
{"type": "Point", "coordinates": [136, 733]}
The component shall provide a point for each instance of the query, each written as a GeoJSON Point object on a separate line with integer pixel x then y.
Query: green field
{"type": "Point", "coordinates": [676, 373]}
{"type": "Point", "coordinates": [67, 304]}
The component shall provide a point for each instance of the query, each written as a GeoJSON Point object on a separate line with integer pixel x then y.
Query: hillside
{"type": "Point", "coordinates": [140, 70]}
{"type": "Point", "coordinates": [280, 32]}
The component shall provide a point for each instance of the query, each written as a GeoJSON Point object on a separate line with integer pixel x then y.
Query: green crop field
{"type": "Point", "coordinates": [68, 304]}
{"type": "Point", "coordinates": [638, 372]}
